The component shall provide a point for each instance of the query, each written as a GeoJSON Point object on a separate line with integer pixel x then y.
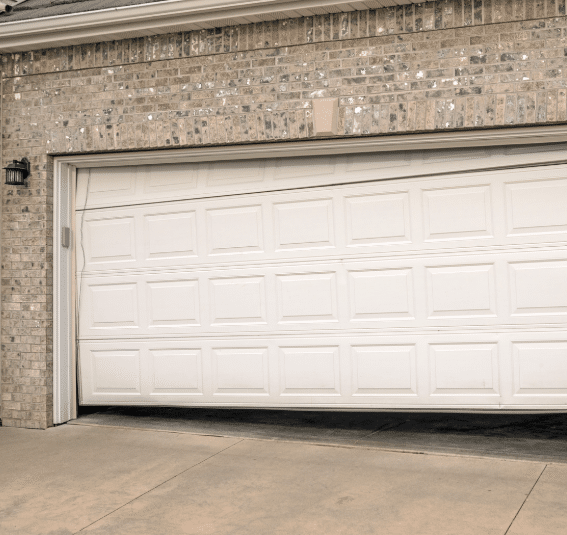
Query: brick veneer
{"type": "Point", "coordinates": [444, 65]}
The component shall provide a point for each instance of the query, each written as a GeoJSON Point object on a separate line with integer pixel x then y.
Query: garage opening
{"type": "Point", "coordinates": [432, 279]}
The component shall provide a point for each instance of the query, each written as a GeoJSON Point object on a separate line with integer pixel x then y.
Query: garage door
{"type": "Point", "coordinates": [317, 283]}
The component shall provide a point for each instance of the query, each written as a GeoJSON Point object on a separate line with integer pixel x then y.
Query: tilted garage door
{"type": "Point", "coordinates": [197, 285]}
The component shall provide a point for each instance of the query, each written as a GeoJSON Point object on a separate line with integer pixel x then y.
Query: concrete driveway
{"type": "Point", "coordinates": [117, 480]}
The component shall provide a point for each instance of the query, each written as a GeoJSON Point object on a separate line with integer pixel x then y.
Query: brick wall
{"type": "Point", "coordinates": [445, 65]}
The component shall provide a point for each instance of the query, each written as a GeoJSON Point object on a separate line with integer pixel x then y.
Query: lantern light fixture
{"type": "Point", "coordinates": [17, 172]}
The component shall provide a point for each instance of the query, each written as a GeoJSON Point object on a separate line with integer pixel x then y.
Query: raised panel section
{"type": "Point", "coordinates": [378, 219]}
{"type": "Point", "coordinates": [303, 167]}
{"type": "Point", "coordinates": [461, 291]}
{"type": "Point", "coordinates": [238, 300]}
{"type": "Point", "coordinates": [304, 224]}
{"type": "Point", "coordinates": [309, 370]}
{"type": "Point", "coordinates": [539, 288]}
{"type": "Point", "coordinates": [235, 230]}
{"type": "Point", "coordinates": [241, 371]}
{"type": "Point", "coordinates": [540, 368]}
{"type": "Point", "coordinates": [536, 207]}
{"type": "Point", "coordinates": [170, 235]}
{"type": "Point", "coordinates": [114, 305]}
{"type": "Point", "coordinates": [110, 240]}
{"type": "Point", "coordinates": [112, 180]}
{"type": "Point", "coordinates": [235, 172]}
{"type": "Point", "coordinates": [457, 213]}
{"type": "Point", "coordinates": [176, 371]}
{"type": "Point", "coordinates": [384, 370]}
{"type": "Point", "coordinates": [307, 297]}
{"type": "Point", "coordinates": [464, 369]}
{"type": "Point", "coordinates": [116, 371]}
{"type": "Point", "coordinates": [356, 163]}
{"type": "Point", "coordinates": [161, 179]}
{"type": "Point", "coordinates": [173, 303]}
{"type": "Point", "coordinates": [105, 186]}
{"type": "Point", "coordinates": [381, 294]}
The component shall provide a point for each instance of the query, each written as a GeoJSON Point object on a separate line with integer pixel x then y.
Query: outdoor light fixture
{"type": "Point", "coordinates": [17, 172]}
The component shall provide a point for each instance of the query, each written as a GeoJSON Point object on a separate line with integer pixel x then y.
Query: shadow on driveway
{"type": "Point", "coordinates": [538, 437]}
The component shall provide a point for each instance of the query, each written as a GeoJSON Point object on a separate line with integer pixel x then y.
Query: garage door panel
{"type": "Point", "coordinates": [464, 369]}
{"type": "Point", "coordinates": [238, 300]}
{"type": "Point", "coordinates": [113, 305]}
{"type": "Point", "coordinates": [353, 221]}
{"type": "Point", "coordinates": [461, 290]}
{"type": "Point", "coordinates": [204, 179]}
{"type": "Point", "coordinates": [304, 225]}
{"type": "Point", "coordinates": [156, 181]}
{"type": "Point", "coordinates": [114, 185]}
{"type": "Point", "coordinates": [460, 369]}
{"type": "Point", "coordinates": [377, 219]}
{"type": "Point", "coordinates": [233, 173]}
{"type": "Point", "coordinates": [174, 370]}
{"type": "Point", "coordinates": [442, 292]}
{"type": "Point", "coordinates": [310, 371]}
{"type": "Point", "coordinates": [381, 294]}
{"type": "Point", "coordinates": [109, 240]}
{"type": "Point", "coordinates": [240, 371]}
{"type": "Point", "coordinates": [445, 291]}
{"type": "Point", "coordinates": [170, 235]}
{"type": "Point", "coordinates": [173, 302]}
{"type": "Point", "coordinates": [382, 370]}
{"type": "Point", "coordinates": [449, 293]}
{"type": "Point", "coordinates": [111, 372]}
{"type": "Point", "coordinates": [307, 297]}
{"type": "Point", "coordinates": [137, 305]}
{"type": "Point", "coordinates": [457, 213]}
{"type": "Point", "coordinates": [304, 167]}
{"type": "Point", "coordinates": [540, 368]}
{"type": "Point", "coordinates": [235, 230]}
{"type": "Point", "coordinates": [536, 207]}
{"type": "Point", "coordinates": [538, 289]}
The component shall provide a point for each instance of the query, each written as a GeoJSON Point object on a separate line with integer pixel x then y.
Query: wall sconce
{"type": "Point", "coordinates": [5, 8]}
{"type": "Point", "coordinates": [17, 172]}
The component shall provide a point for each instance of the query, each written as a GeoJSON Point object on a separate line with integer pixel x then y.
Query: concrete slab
{"type": "Point", "coordinates": [260, 487]}
{"type": "Point", "coordinates": [541, 437]}
{"type": "Point", "coordinates": [545, 510]}
{"type": "Point", "coordinates": [61, 480]}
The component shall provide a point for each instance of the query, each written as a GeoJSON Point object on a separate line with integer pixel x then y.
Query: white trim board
{"type": "Point", "coordinates": [64, 387]}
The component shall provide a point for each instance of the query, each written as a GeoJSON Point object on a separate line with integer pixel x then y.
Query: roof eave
{"type": "Point", "coordinates": [156, 18]}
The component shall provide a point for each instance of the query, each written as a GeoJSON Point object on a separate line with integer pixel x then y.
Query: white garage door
{"type": "Point", "coordinates": [198, 286]}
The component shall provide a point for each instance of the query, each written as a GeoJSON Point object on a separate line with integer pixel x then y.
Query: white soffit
{"type": "Point", "coordinates": [164, 17]}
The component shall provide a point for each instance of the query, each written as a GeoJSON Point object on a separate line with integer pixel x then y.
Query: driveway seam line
{"type": "Point", "coordinates": [157, 486]}
{"type": "Point", "coordinates": [525, 500]}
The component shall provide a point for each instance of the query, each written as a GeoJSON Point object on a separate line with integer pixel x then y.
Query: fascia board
{"type": "Point", "coordinates": [144, 19]}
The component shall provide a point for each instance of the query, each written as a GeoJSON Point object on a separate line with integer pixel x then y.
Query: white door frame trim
{"type": "Point", "coordinates": [65, 166]}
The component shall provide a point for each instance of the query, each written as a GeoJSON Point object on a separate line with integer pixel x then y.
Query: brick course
{"type": "Point", "coordinates": [444, 65]}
